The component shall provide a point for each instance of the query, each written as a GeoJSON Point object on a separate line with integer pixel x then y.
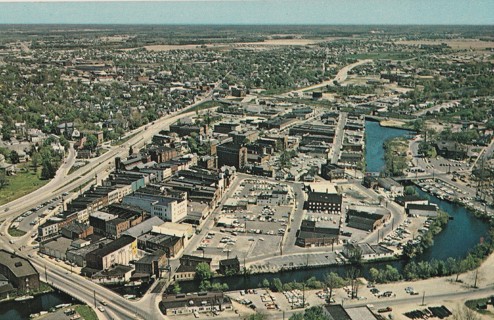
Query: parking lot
{"type": "Point", "coordinates": [250, 225]}
{"type": "Point", "coordinates": [30, 219]}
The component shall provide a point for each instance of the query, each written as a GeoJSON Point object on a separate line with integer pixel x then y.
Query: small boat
{"type": "Point", "coordinates": [24, 298]}
{"type": "Point", "coordinates": [133, 284]}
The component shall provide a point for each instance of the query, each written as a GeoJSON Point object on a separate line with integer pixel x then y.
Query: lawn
{"type": "Point", "coordinates": [14, 232]}
{"type": "Point", "coordinates": [122, 141]}
{"type": "Point", "coordinates": [86, 312]}
{"type": "Point", "coordinates": [21, 184]}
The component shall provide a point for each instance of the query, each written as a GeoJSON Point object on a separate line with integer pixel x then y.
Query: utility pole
{"type": "Point", "coordinates": [281, 246]}
{"type": "Point", "coordinates": [476, 277]}
{"type": "Point", "coordinates": [46, 275]}
{"type": "Point", "coordinates": [94, 295]}
{"type": "Point", "coordinates": [423, 299]}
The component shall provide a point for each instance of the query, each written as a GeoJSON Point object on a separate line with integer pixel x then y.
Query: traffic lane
{"type": "Point", "coordinates": [23, 203]}
{"type": "Point", "coordinates": [80, 287]}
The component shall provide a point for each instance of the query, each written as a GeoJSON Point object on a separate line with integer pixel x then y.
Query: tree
{"type": "Point", "coordinates": [91, 142]}
{"type": "Point", "coordinates": [203, 271]}
{"type": "Point", "coordinates": [313, 313]}
{"type": "Point", "coordinates": [6, 135]}
{"type": "Point", "coordinates": [297, 316]}
{"type": "Point", "coordinates": [257, 316]}
{"type": "Point", "coordinates": [48, 171]}
{"type": "Point", "coordinates": [333, 281]}
{"type": "Point", "coordinates": [410, 191]}
{"type": "Point", "coordinates": [3, 180]}
{"type": "Point", "coordinates": [276, 285]}
{"type": "Point", "coordinates": [205, 285]}
{"type": "Point", "coordinates": [176, 288]}
{"type": "Point", "coordinates": [352, 275]}
{"type": "Point", "coordinates": [35, 159]}
{"type": "Point", "coordinates": [219, 286]}
{"type": "Point", "coordinates": [354, 254]}
{"type": "Point", "coordinates": [265, 283]}
{"type": "Point", "coordinates": [373, 274]}
{"type": "Point", "coordinates": [14, 157]}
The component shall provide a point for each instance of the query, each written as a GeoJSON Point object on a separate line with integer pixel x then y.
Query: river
{"type": "Point", "coordinates": [455, 240]}
{"type": "Point", "coordinates": [375, 136]}
{"type": "Point", "coordinates": [13, 310]}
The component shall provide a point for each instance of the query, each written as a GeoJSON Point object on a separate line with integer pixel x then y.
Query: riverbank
{"type": "Point", "coordinates": [389, 123]}
{"type": "Point", "coordinates": [44, 289]}
{"type": "Point", "coordinates": [21, 310]}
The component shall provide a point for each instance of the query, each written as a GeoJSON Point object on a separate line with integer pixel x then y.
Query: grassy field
{"type": "Point", "coordinates": [14, 232]}
{"type": "Point", "coordinates": [86, 312]}
{"type": "Point", "coordinates": [74, 168]}
{"type": "Point", "coordinates": [122, 141]}
{"type": "Point", "coordinates": [21, 184]}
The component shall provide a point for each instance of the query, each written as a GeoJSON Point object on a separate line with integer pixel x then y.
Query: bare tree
{"type": "Point", "coordinates": [352, 276]}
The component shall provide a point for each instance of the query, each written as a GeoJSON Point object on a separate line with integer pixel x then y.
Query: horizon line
{"type": "Point", "coordinates": [239, 24]}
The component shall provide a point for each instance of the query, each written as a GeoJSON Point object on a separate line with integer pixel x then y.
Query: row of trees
{"type": "Point", "coordinates": [411, 250]}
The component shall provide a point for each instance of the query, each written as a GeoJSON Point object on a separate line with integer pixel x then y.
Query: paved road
{"type": "Point", "coordinates": [338, 138]}
{"type": "Point", "coordinates": [37, 196]}
{"type": "Point", "coordinates": [77, 286]}
{"type": "Point", "coordinates": [340, 77]}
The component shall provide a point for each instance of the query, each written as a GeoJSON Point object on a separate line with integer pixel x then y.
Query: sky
{"type": "Point", "coordinates": [238, 12]}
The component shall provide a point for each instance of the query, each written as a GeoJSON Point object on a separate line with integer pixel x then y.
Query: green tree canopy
{"type": "Point", "coordinates": [203, 271]}
{"type": "Point", "coordinates": [14, 157]}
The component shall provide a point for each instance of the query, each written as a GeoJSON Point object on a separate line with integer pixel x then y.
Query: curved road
{"type": "Point", "coordinates": [340, 77]}
{"type": "Point", "coordinates": [75, 285]}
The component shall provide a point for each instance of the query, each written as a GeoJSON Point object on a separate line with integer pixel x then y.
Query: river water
{"type": "Point", "coordinates": [375, 136]}
{"type": "Point", "coordinates": [14, 310]}
{"type": "Point", "coordinates": [456, 239]}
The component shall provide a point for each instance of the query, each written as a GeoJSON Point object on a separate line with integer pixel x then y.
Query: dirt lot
{"type": "Point", "coordinates": [270, 42]}
{"type": "Point", "coordinates": [454, 44]}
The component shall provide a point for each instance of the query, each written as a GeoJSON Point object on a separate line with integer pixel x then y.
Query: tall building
{"type": "Point", "coordinates": [230, 154]}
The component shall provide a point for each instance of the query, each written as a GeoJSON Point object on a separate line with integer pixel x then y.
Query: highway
{"type": "Point", "coordinates": [75, 285]}
{"type": "Point", "coordinates": [341, 76]}
{"type": "Point", "coordinates": [34, 198]}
